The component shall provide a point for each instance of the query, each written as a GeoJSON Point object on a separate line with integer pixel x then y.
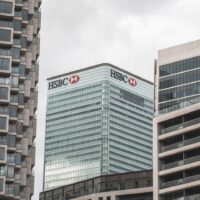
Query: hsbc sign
{"type": "Point", "coordinates": [63, 82]}
{"type": "Point", "coordinates": [124, 78]}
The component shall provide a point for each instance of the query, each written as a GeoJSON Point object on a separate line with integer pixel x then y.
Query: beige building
{"type": "Point", "coordinates": [19, 52]}
{"type": "Point", "coordinates": [176, 125]}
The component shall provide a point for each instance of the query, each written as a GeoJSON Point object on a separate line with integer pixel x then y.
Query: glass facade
{"type": "Point", "coordinates": [179, 84]}
{"type": "Point", "coordinates": [98, 121]}
{"type": "Point", "coordinates": [98, 186]}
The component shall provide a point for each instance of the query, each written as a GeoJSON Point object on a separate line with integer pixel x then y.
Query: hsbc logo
{"type": "Point", "coordinates": [63, 82]}
{"type": "Point", "coordinates": [132, 81]}
{"type": "Point", "coordinates": [74, 79]}
{"type": "Point", "coordinates": [124, 78]}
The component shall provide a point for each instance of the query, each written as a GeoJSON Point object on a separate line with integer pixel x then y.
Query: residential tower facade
{"type": "Point", "coordinates": [176, 132]}
{"type": "Point", "coordinates": [19, 51]}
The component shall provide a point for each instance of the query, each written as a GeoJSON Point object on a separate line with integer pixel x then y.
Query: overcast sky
{"type": "Point", "coordinates": [126, 33]}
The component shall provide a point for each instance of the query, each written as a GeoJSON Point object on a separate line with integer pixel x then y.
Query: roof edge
{"type": "Point", "coordinates": [96, 66]}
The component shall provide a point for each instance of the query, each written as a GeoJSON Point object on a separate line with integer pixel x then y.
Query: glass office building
{"type": "Point", "coordinates": [98, 122]}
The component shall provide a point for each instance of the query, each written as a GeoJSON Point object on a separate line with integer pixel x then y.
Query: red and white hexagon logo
{"type": "Point", "coordinates": [132, 82]}
{"type": "Point", "coordinates": [74, 79]}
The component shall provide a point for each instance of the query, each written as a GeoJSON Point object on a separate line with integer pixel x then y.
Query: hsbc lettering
{"type": "Point", "coordinates": [63, 82]}
{"type": "Point", "coordinates": [123, 78]}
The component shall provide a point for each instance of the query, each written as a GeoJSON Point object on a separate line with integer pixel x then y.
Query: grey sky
{"type": "Point", "coordinates": [126, 33]}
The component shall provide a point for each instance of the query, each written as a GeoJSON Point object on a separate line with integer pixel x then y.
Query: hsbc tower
{"type": "Point", "coordinates": [98, 122]}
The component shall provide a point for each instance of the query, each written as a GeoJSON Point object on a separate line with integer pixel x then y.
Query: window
{"type": "Point", "coordinates": [4, 63]}
{"type": "Point", "coordinates": [4, 93]}
{"type": "Point", "coordinates": [13, 111]}
{"type": "Point", "coordinates": [6, 7]}
{"type": "Point", "coordinates": [10, 171]}
{"type": "Point", "coordinates": [10, 158]}
{"type": "Point", "coordinates": [5, 35]}
{"type": "Point", "coordinates": [11, 140]}
{"type": "Point", "coordinates": [2, 170]}
{"type": "Point", "coordinates": [17, 158]}
{"type": "Point", "coordinates": [1, 184]}
{"type": "Point", "coordinates": [9, 188]}
{"type": "Point", "coordinates": [17, 189]}
{"type": "Point", "coordinates": [16, 53]}
{"type": "Point", "coordinates": [14, 81]}
{"type": "Point", "coordinates": [3, 123]}
{"type": "Point", "coordinates": [2, 153]}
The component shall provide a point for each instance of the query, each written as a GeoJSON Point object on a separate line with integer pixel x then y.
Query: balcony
{"type": "Point", "coordinates": [180, 126]}
{"type": "Point", "coordinates": [180, 162]}
{"type": "Point", "coordinates": [180, 181]}
{"type": "Point", "coordinates": [180, 144]}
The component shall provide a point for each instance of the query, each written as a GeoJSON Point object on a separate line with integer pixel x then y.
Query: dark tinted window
{"type": "Point", "coordinates": [5, 35]}
{"type": "Point", "coordinates": [4, 93]}
{"type": "Point", "coordinates": [2, 123]}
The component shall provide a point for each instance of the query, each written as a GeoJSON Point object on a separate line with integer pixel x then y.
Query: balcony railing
{"type": "Point", "coordinates": [181, 181]}
{"type": "Point", "coordinates": [181, 144]}
{"type": "Point", "coordinates": [180, 162]}
{"type": "Point", "coordinates": [180, 126]}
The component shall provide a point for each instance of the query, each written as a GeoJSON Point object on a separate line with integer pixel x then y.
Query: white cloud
{"type": "Point", "coordinates": [126, 33]}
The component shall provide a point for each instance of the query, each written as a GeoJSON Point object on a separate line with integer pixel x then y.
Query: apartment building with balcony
{"type": "Point", "coordinates": [19, 52]}
{"type": "Point", "coordinates": [176, 124]}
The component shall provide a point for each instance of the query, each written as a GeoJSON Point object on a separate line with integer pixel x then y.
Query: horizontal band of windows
{"type": "Point", "coordinates": [120, 99]}
{"type": "Point", "coordinates": [118, 90]}
{"type": "Point", "coordinates": [61, 134]}
{"type": "Point", "coordinates": [179, 66]}
{"type": "Point", "coordinates": [124, 160]}
{"type": "Point", "coordinates": [130, 133]}
{"type": "Point", "coordinates": [124, 169]}
{"type": "Point", "coordinates": [132, 139]}
{"type": "Point", "coordinates": [71, 113]}
{"type": "Point", "coordinates": [66, 138]}
{"type": "Point", "coordinates": [134, 121]}
{"type": "Point", "coordinates": [180, 79]}
{"type": "Point", "coordinates": [72, 122]}
{"type": "Point", "coordinates": [86, 160]}
{"type": "Point", "coordinates": [74, 114]}
{"type": "Point", "coordinates": [145, 110]}
{"type": "Point", "coordinates": [131, 125]}
{"type": "Point", "coordinates": [177, 104]}
{"type": "Point", "coordinates": [78, 156]}
{"type": "Point", "coordinates": [179, 92]}
{"type": "Point", "coordinates": [143, 155]}
{"type": "Point", "coordinates": [74, 143]}
{"type": "Point", "coordinates": [75, 128]}
{"type": "Point", "coordinates": [72, 91]}
{"type": "Point", "coordinates": [131, 129]}
{"type": "Point", "coordinates": [56, 106]}
{"type": "Point", "coordinates": [134, 146]}
{"type": "Point", "coordinates": [74, 108]}
{"type": "Point", "coordinates": [69, 99]}
{"type": "Point", "coordinates": [123, 109]}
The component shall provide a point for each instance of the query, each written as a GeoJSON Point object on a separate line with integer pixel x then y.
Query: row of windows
{"type": "Point", "coordinates": [82, 90]}
{"type": "Point", "coordinates": [178, 104]}
{"type": "Point", "coordinates": [179, 92]}
{"type": "Point", "coordinates": [14, 52]}
{"type": "Point", "coordinates": [75, 114]}
{"type": "Point", "coordinates": [178, 79]}
{"type": "Point", "coordinates": [180, 66]}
